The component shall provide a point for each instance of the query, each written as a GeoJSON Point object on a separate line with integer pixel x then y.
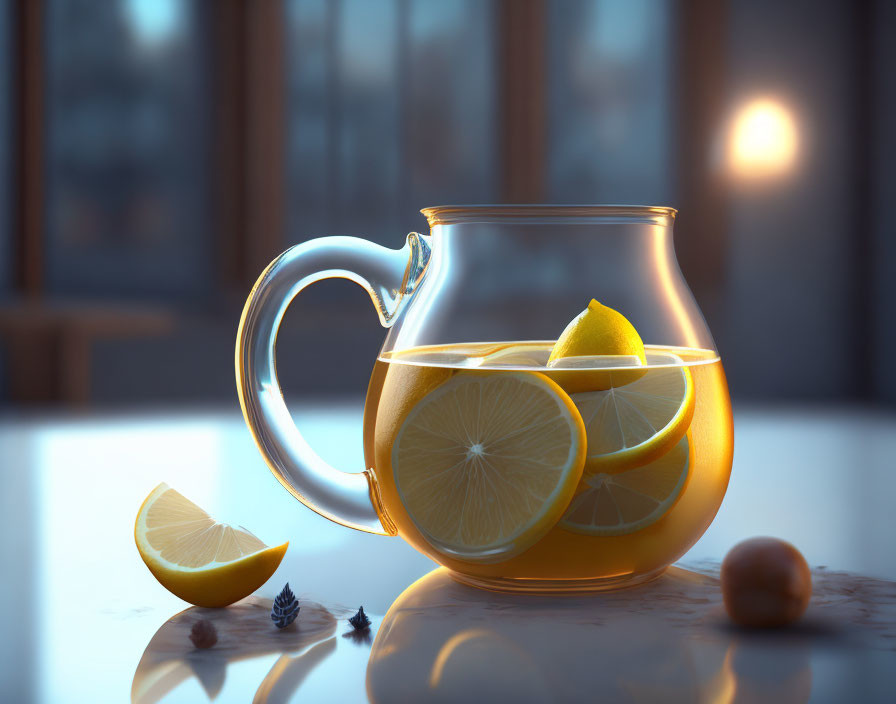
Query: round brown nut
{"type": "Point", "coordinates": [765, 583]}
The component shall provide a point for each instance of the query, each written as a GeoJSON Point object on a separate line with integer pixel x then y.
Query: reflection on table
{"type": "Point", "coordinates": [242, 631]}
{"type": "Point", "coordinates": [667, 641]}
{"type": "Point", "coordinates": [441, 641]}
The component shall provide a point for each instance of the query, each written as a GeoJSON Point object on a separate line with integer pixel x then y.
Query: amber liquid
{"type": "Point", "coordinates": [401, 380]}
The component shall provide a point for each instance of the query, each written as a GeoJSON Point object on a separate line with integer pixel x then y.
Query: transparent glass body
{"type": "Point", "coordinates": [487, 293]}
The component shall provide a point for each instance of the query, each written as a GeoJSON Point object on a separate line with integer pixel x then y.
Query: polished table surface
{"type": "Point", "coordinates": [82, 620]}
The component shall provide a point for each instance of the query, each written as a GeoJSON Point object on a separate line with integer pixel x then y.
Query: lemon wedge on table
{"type": "Point", "coordinates": [193, 556]}
{"type": "Point", "coordinates": [487, 463]}
{"type": "Point", "coordinates": [617, 504]}
{"type": "Point", "coordinates": [638, 422]}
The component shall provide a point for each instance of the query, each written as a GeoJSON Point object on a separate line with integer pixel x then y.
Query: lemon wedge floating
{"type": "Point", "coordinates": [486, 464]}
{"type": "Point", "coordinates": [196, 558]}
{"type": "Point", "coordinates": [631, 425]}
{"type": "Point", "coordinates": [596, 332]}
{"type": "Point", "coordinates": [616, 504]}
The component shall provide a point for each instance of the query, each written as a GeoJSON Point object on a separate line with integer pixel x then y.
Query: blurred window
{"type": "Point", "coordinates": [126, 149]}
{"type": "Point", "coordinates": [6, 143]}
{"type": "Point", "coordinates": [610, 73]}
{"type": "Point", "coordinates": [391, 108]}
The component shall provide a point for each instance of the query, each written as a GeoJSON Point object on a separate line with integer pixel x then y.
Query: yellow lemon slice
{"type": "Point", "coordinates": [523, 354]}
{"type": "Point", "coordinates": [196, 558]}
{"type": "Point", "coordinates": [638, 422]}
{"type": "Point", "coordinates": [486, 463]}
{"type": "Point", "coordinates": [616, 504]}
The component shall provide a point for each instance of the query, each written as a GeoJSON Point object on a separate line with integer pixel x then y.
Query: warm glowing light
{"type": "Point", "coordinates": [763, 139]}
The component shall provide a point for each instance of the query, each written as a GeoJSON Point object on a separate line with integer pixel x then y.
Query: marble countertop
{"type": "Point", "coordinates": [84, 621]}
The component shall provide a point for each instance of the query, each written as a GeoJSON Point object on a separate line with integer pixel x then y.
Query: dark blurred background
{"type": "Point", "coordinates": [156, 154]}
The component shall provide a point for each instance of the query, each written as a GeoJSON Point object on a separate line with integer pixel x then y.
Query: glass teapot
{"type": "Point", "coordinates": [513, 467]}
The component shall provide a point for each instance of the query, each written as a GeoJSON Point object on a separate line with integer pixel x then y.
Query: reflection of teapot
{"type": "Point", "coordinates": [763, 673]}
{"type": "Point", "coordinates": [442, 641]}
{"type": "Point", "coordinates": [742, 667]}
{"type": "Point", "coordinates": [243, 631]}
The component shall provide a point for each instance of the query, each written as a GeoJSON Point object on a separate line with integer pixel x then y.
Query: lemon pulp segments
{"type": "Point", "coordinates": [631, 425]}
{"type": "Point", "coordinates": [616, 504]}
{"type": "Point", "coordinates": [486, 464]}
{"type": "Point", "coordinates": [185, 535]}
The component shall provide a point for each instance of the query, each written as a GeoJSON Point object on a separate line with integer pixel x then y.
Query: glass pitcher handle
{"type": "Point", "coordinates": [389, 276]}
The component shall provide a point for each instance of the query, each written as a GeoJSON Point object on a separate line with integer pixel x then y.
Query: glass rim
{"type": "Point", "coordinates": [450, 214]}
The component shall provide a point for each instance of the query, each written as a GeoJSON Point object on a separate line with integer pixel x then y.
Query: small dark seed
{"type": "Point", "coordinates": [203, 634]}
